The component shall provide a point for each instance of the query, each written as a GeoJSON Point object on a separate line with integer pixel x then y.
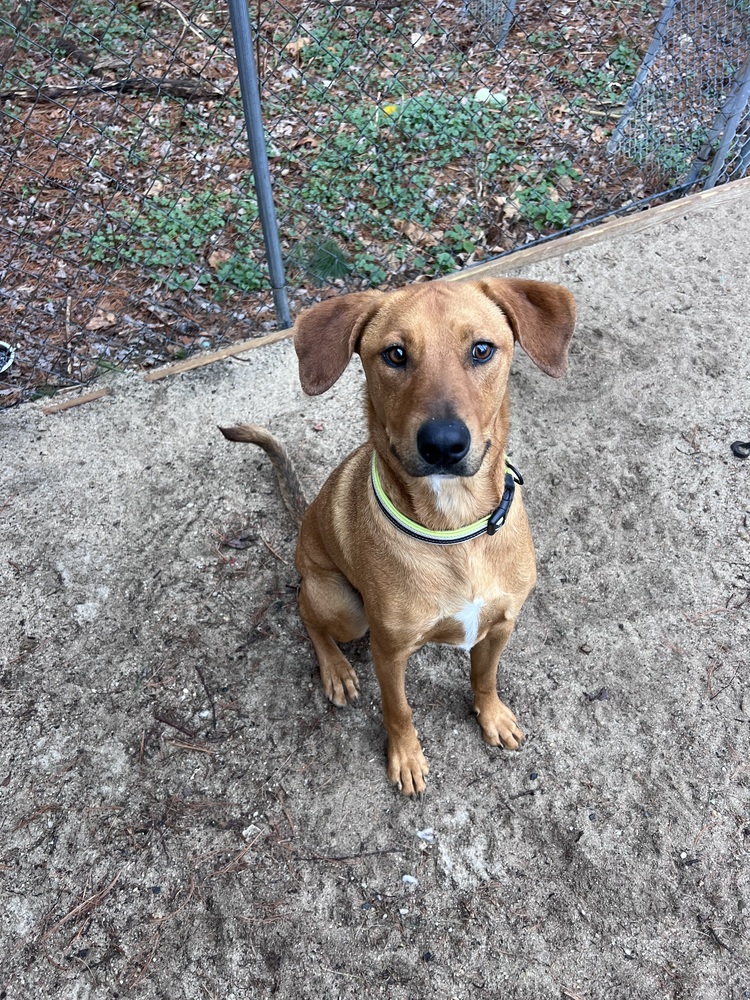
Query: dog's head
{"type": "Point", "coordinates": [436, 357]}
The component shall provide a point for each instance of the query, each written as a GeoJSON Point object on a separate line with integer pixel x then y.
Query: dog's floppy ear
{"type": "Point", "coordinates": [542, 317]}
{"type": "Point", "coordinates": [326, 336]}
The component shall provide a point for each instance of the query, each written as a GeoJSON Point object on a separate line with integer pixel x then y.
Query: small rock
{"type": "Point", "coordinates": [601, 695]}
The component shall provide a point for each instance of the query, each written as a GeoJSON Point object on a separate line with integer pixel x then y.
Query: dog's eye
{"type": "Point", "coordinates": [394, 356]}
{"type": "Point", "coordinates": [482, 352]}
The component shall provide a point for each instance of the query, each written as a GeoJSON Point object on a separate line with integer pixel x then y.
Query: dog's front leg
{"type": "Point", "coordinates": [499, 724]}
{"type": "Point", "coordinates": [407, 766]}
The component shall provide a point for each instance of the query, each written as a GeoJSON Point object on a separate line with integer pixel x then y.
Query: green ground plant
{"type": "Point", "coordinates": [388, 180]}
{"type": "Point", "coordinates": [174, 237]}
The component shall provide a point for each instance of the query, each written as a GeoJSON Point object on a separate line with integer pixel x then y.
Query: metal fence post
{"type": "Point", "coordinates": [731, 114]}
{"type": "Point", "coordinates": [635, 91]}
{"type": "Point", "coordinates": [248, 75]}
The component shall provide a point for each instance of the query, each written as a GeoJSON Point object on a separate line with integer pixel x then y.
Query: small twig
{"type": "Point", "coordinates": [273, 551]}
{"type": "Point", "coordinates": [185, 745]}
{"type": "Point", "coordinates": [145, 967]}
{"type": "Point", "coordinates": [284, 809]}
{"type": "Point", "coordinates": [343, 859]}
{"type": "Point", "coordinates": [225, 352]}
{"type": "Point", "coordinates": [709, 681]}
{"type": "Point", "coordinates": [528, 791]}
{"type": "Point", "coordinates": [717, 940]}
{"type": "Point", "coordinates": [263, 921]}
{"type": "Point", "coordinates": [36, 814]}
{"type": "Point", "coordinates": [85, 907]}
{"type": "Point", "coordinates": [346, 975]}
{"type": "Point", "coordinates": [237, 862]}
{"type": "Point", "coordinates": [181, 907]}
{"type": "Point", "coordinates": [176, 9]}
{"type": "Point", "coordinates": [707, 614]}
{"type": "Point", "coordinates": [261, 612]}
{"type": "Point", "coordinates": [68, 335]}
{"type": "Point", "coordinates": [173, 723]}
{"type": "Point", "coordinates": [184, 87]}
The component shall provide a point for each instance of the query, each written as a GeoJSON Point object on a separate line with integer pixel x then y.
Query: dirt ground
{"type": "Point", "coordinates": [185, 816]}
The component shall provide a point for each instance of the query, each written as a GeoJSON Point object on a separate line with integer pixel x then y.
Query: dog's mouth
{"type": "Point", "coordinates": [417, 466]}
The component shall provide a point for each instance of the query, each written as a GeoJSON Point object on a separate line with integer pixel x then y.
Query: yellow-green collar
{"type": "Point", "coordinates": [487, 525]}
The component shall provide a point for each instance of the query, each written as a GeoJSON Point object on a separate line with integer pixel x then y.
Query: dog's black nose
{"type": "Point", "coordinates": [443, 442]}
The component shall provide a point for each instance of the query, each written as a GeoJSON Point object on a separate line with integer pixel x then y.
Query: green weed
{"type": "Point", "coordinates": [174, 238]}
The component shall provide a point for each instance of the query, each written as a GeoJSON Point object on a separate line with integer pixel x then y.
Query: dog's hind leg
{"type": "Point", "coordinates": [332, 612]}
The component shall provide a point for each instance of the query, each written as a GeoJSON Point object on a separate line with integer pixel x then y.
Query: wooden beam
{"type": "Point", "coordinates": [635, 223]}
{"type": "Point", "coordinates": [67, 404]}
{"type": "Point", "coordinates": [226, 352]}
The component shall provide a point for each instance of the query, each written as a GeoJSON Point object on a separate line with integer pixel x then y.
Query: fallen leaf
{"type": "Point", "coordinates": [297, 45]}
{"type": "Point", "coordinates": [101, 320]}
{"type": "Point", "coordinates": [508, 206]}
{"type": "Point", "coordinates": [219, 257]}
{"type": "Point", "coordinates": [598, 135]}
{"type": "Point", "coordinates": [308, 140]}
{"type": "Point", "coordinates": [241, 542]}
{"type": "Point", "coordinates": [415, 234]}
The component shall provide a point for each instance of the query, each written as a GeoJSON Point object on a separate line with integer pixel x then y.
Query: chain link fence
{"type": "Point", "coordinates": [404, 140]}
{"type": "Point", "coordinates": [687, 112]}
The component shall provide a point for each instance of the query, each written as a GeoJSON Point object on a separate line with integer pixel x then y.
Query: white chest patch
{"type": "Point", "coordinates": [468, 616]}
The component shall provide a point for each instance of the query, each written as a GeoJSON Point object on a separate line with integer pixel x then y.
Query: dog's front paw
{"type": "Point", "coordinates": [340, 682]}
{"type": "Point", "coordinates": [499, 725]}
{"type": "Point", "coordinates": [407, 767]}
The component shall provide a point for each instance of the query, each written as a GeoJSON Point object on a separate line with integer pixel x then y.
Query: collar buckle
{"type": "Point", "coordinates": [497, 517]}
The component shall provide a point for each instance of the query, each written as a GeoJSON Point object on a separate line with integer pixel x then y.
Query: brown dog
{"type": "Point", "coordinates": [428, 540]}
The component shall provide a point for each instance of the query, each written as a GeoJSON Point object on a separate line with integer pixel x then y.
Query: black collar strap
{"type": "Point", "coordinates": [487, 525]}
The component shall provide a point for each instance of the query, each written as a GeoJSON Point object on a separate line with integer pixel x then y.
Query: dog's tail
{"type": "Point", "coordinates": [289, 484]}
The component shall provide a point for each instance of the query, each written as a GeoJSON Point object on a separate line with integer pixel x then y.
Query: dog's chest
{"type": "Point", "coordinates": [469, 617]}
{"type": "Point", "coordinates": [465, 609]}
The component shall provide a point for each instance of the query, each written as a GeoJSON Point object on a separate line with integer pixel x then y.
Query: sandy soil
{"type": "Point", "coordinates": [185, 816]}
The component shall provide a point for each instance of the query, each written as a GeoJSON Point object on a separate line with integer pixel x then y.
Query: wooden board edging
{"type": "Point", "coordinates": [208, 359]}
{"type": "Point", "coordinates": [635, 223]}
{"type": "Point", "coordinates": [68, 404]}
